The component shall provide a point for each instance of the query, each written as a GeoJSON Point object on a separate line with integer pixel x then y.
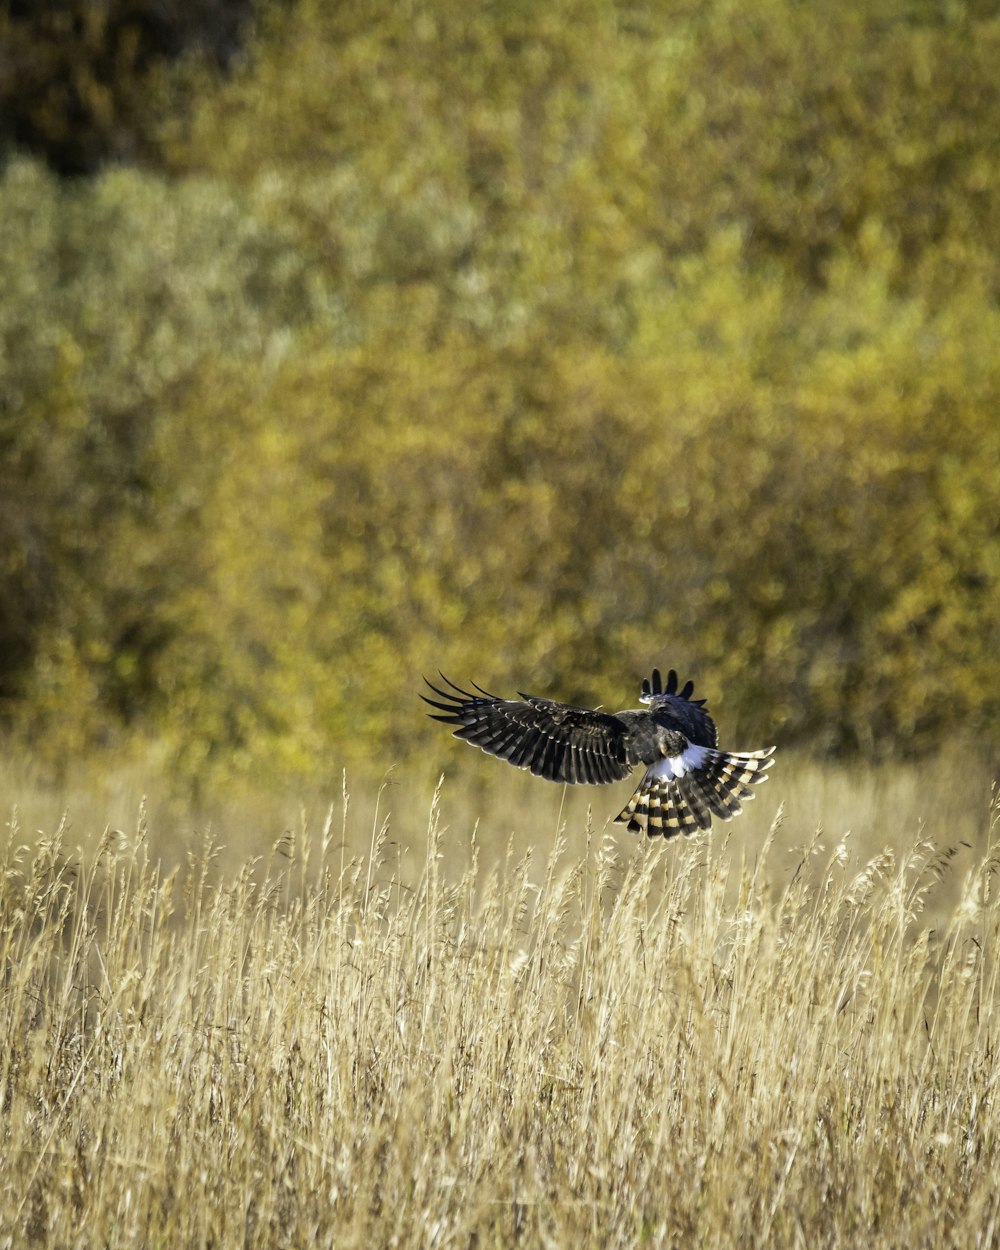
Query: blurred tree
{"type": "Point", "coordinates": [539, 343]}
{"type": "Point", "coordinates": [114, 291]}
{"type": "Point", "coordinates": [77, 77]}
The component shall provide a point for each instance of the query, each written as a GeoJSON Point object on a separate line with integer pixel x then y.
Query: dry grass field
{"type": "Point", "coordinates": [531, 1031]}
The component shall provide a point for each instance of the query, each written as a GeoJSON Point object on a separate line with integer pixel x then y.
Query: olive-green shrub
{"type": "Point", "coordinates": [540, 346]}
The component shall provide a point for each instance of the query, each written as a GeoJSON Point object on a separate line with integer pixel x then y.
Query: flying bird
{"type": "Point", "coordinates": [687, 781]}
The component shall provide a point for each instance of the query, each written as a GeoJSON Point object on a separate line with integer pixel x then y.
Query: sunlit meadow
{"type": "Point", "coordinates": [515, 1026]}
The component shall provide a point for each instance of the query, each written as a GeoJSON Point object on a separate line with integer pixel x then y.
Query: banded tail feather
{"type": "Point", "coordinates": [682, 794]}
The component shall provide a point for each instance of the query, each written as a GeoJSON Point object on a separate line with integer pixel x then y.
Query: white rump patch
{"type": "Point", "coordinates": [673, 766]}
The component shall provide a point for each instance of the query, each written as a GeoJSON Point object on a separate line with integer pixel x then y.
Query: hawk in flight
{"type": "Point", "coordinates": [687, 781]}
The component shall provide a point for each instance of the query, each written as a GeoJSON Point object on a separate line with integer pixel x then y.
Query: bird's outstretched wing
{"type": "Point", "coordinates": [554, 740]}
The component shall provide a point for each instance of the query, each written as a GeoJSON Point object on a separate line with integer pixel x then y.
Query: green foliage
{"type": "Point", "coordinates": [80, 79]}
{"type": "Point", "coordinates": [114, 292]}
{"type": "Point", "coordinates": [538, 346]}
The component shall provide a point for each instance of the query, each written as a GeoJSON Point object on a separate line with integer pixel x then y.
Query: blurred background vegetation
{"type": "Point", "coordinates": [538, 342]}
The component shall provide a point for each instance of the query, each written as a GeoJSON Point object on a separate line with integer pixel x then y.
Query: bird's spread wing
{"type": "Point", "coordinates": [554, 740]}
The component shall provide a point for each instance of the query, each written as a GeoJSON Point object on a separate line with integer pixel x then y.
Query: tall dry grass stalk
{"type": "Point", "coordinates": [563, 1048]}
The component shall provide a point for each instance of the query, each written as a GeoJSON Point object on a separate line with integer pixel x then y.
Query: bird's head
{"type": "Point", "coordinates": [651, 689]}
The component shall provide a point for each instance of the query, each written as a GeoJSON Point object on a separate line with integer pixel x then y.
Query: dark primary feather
{"type": "Point", "coordinates": [676, 710]}
{"type": "Point", "coordinates": [655, 686]}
